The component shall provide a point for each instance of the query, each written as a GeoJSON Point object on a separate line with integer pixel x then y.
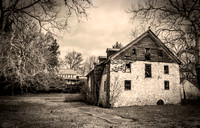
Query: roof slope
{"type": "Point", "coordinates": [155, 38]}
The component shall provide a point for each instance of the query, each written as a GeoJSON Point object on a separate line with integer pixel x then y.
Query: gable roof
{"type": "Point", "coordinates": [155, 38]}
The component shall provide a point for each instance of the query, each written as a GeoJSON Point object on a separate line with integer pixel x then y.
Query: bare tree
{"type": "Point", "coordinates": [73, 60]}
{"type": "Point", "coordinates": [44, 13]}
{"type": "Point", "coordinates": [24, 58]}
{"type": "Point", "coordinates": [115, 91]}
{"type": "Point", "coordinates": [177, 22]}
{"type": "Point", "coordinates": [117, 45]}
{"type": "Point", "coordinates": [89, 64]}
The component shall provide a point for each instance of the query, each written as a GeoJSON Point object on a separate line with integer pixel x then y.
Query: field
{"type": "Point", "coordinates": [50, 110]}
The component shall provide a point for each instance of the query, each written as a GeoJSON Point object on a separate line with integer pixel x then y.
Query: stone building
{"type": "Point", "coordinates": [143, 72]}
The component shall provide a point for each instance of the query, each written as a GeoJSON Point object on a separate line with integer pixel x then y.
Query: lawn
{"type": "Point", "coordinates": [50, 110]}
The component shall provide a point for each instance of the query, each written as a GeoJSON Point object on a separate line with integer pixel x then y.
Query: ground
{"type": "Point", "coordinates": [49, 110]}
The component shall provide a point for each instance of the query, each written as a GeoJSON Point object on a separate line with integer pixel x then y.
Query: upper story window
{"type": "Point", "coordinates": [160, 53]}
{"type": "Point", "coordinates": [166, 69]}
{"type": "Point", "coordinates": [147, 70]}
{"type": "Point", "coordinates": [134, 51]}
{"type": "Point", "coordinates": [127, 85]}
{"type": "Point", "coordinates": [166, 85]}
{"type": "Point", "coordinates": [147, 54]}
{"type": "Point", "coordinates": [128, 67]}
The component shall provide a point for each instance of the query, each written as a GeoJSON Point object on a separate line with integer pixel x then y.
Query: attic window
{"type": "Point", "coordinates": [160, 53]}
{"type": "Point", "coordinates": [134, 51]}
{"type": "Point", "coordinates": [128, 67]}
{"type": "Point", "coordinates": [147, 54]}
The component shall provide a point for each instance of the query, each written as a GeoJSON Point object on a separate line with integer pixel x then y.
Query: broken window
{"type": "Point", "coordinates": [147, 70]}
{"type": "Point", "coordinates": [127, 85]}
{"type": "Point", "coordinates": [134, 51]}
{"type": "Point", "coordinates": [147, 54]}
{"type": "Point", "coordinates": [166, 69]}
{"type": "Point", "coordinates": [128, 67]}
{"type": "Point", "coordinates": [160, 53]}
{"type": "Point", "coordinates": [166, 84]}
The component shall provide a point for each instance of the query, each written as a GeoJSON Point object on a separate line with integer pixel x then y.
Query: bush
{"type": "Point", "coordinates": [74, 98]}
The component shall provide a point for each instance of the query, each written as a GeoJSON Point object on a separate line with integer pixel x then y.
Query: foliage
{"type": "Point", "coordinates": [24, 60]}
{"type": "Point", "coordinates": [74, 98]}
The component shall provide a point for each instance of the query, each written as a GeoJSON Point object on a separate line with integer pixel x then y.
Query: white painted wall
{"type": "Point", "coordinates": [145, 91]}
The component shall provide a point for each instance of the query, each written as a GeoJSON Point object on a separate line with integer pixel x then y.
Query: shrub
{"type": "Point", "coordinates": [74, 98]}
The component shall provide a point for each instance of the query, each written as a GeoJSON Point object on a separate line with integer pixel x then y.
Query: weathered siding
{"type": "Point", "coordinates": [144, 91]}
{"type": "Point", "coordinates": [146, 42]}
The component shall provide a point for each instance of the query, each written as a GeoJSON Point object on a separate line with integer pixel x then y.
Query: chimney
{"type": "Point", "coordinates": [111, 51]}
{"type": "Point", "coordinates": [102, 59]}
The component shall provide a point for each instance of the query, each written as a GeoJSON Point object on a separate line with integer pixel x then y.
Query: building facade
{"type": "Point", "coordinates": [143, 72]}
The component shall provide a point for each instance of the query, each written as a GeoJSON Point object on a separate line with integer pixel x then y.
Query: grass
{"type": "Point", "coordinates": [41, 110]}
{"type": "Point", "coordinates": [162, 116]}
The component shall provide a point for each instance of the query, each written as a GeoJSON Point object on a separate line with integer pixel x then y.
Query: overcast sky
{"type": "Point", "coordinates": [107, 23]}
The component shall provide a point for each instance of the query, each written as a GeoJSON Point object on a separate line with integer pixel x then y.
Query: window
{"type": "Point", "coordinates": [104, 86]}
{"type": "Point", "coordinates": [134, 52]}
{"type": "Point", "coordinates": [166, 69]}
{"type": "Point", "coordinates": [127, 85]}
{"type": "Point", "coordinates": [128, 67]}
{"type": "Point", "coordinates": [147, 70]}
{"type": "Point", "coordinates": [147, 54]}
{"type": "Point", "coordinates": [160, 53]}
{"type": "Point", "coordinates": [166, 84]}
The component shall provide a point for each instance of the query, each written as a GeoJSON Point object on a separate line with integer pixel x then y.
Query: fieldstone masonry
{"type": "Point", "coordinates": [146, 91]}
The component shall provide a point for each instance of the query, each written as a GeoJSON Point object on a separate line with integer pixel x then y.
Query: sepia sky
{"type": "Point", "coordinates": [107, 23]}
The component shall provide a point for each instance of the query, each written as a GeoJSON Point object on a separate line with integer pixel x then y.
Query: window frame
{"type": "Point", "coordinates": [160, 53]}
{"type": "Point", "coordinates": [125, 83]}
{"type": "Point", "coordinates": [166, 69]}
{"type": "Point", "coordinates": [127, 68]}
{"type": "Point", "coordinates": [105, 83]}
{"type": "Point", "coordinates": [134, 51]}
{"type": "Point", "coordinates": [150, 74]}
{"type": "Point", "coordinates": [147, 53]}
{"type": "Point", "coordinates": [166, 85]}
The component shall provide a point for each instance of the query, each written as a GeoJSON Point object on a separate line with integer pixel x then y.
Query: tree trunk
{"type": "Point", "coordinates": [197, 66]}
{"type": "Point", "coordinates": [1, 15]}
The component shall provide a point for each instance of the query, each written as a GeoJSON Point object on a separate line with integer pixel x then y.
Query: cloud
{"type": "Point", "coordinates": [107, 23]}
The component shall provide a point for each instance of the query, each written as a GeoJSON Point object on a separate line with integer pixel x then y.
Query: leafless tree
{"type": "Point", "coordinates": [24, 57]}
{"type": "Point", "coordinates": [117, 45]}
{"type": "Point", "coordinates": [73, 60]}
{"type": "Point", "coordinates": [177, 22]}
{"type": "Point", "coordinates": [115, 91]}
{"type": "Point", "coordinates": [89, 64]}
{"type": "Point", "coordinates": [44, 13]}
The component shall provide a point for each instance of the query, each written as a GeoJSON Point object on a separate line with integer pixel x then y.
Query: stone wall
{"type": "Point", "coordinates": [104, 87]}
{"type": "Point", "coordinates": [144, 91]}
